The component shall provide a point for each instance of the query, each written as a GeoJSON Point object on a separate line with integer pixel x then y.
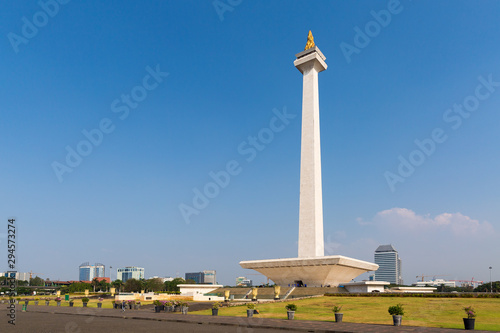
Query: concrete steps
{"type": "Point", "coordinates": [268, 292]}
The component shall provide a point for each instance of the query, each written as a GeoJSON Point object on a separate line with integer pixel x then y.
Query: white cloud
{"type": "Point", "coordinates": [458, 224]}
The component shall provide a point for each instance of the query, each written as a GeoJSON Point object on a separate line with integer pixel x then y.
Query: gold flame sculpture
{"type": "Point", "coordinates": [310, 41]}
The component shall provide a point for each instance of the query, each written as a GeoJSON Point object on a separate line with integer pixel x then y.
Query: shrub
{"type": "Point", "coordinates": [396, 310]}
{"type": "Point", "coordinates": [251, 306]}
{"type": "Point", "coordinates": [336, 308]}
{"type": "Point", "coordinates": [216, 305]}
{"type": "Point", "coordinates": [469, 311]}
{"type": "Point", "coordinates": [85, 300]}
{"type": "Point", "coordinates": [291, 307]}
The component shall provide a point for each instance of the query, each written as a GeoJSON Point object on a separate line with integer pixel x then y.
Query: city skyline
{"type": "Point", "coordinates": [174, 127]}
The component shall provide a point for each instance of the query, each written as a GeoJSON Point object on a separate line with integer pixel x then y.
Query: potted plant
{"type": "Point", "coordinates": [131, 304]}
{"type": "Point", "coordinates": [85, 301]}
{"type": "Point", "coordinates": [47, 301]}
{"type": "Point", "coordinates": [71, 302]}
{"type": "Point", "coordinates": [18, 300]}
{"type": "Point", "coordinates": [291, 308]}
{"type": "Point", "coordinates": [397, 312]}
{"type": "Point", "coordinates": [26, 301]}
{"type": "Point", "coordinates": [469, 321]}
{"type": "Point", "coordinates": [215, 309]}
{"type": "Point", "coordinates": [157, 305]}
{"type": "Point", "coordinates": [250, 310]}
{"type": "Point", "coordinates": [58, 301]}
{"type": "Point", "coordinates": [99, 302]}
{"type": "Point", "coordinates": [338, 316]}
{"type": "Point", "coordinates": [137, 305]}
{"type": "Point", "coordinates": [36, 301]}
{"type": "Point", "coordinates": [184, 307]}
{"type": "Point", "coordinates": [115, 305]}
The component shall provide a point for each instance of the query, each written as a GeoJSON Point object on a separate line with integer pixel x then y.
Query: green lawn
{"type": "Point", "coordinates": [419, 311]}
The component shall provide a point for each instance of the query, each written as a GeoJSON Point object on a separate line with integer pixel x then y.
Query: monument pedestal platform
{"type": "Point", "coordinates": [312, 271]}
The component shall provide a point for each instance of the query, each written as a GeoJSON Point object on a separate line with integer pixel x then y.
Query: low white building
{"type": "Point", "coordinates": [17, 275]}
{"type": "Point", "coordinates": [163, 279]}
{"type": "Point", "coordinates": [198, 291]}
{"type": "Point", "coordinates": [413, 289]}
{"type": "Point", "coordinates": [365, 286]}
{"type": "Point", "coordinates": [436, 283]}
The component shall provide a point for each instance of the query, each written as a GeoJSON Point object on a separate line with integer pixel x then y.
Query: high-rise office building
{"type": "Point", "coordinates": [209, 277]}
{"type": "Point", "coordinates": [88, 272]}
{"type": "Point", "coordinates": [243, 281]}
{"type": "Point", "coordinates": [130, 272]}
{"type": "Point", "coordinates": [390, 266]}
{"type": "Point", "coordinates": [205, 277]}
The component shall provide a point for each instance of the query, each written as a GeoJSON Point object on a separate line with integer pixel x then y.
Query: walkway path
{"type": "Point", "coordinates": [44, 319]}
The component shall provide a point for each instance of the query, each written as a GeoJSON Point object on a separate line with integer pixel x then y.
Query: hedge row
{"type": "Point", "coordinates": [430, 295]}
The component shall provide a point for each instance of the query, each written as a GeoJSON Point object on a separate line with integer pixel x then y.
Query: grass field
{"type": "Point", "coordinates": [429, 312]}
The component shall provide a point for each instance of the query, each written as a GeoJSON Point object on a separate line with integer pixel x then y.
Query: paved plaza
{"type": "Point", "coordinates": [51, 319]}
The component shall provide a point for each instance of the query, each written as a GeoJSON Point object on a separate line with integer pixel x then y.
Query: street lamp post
{"type": "Point", "coordinates": [491, 284]}
{"type": "Point", "coordinates": [110, 280]}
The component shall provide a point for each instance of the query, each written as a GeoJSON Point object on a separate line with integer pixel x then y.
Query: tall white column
{"type": "Point", "coordinates": [310, 62]}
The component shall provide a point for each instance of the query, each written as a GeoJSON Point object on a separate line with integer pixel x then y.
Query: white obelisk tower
{"type": "Point", "coordinates": [312, 267]}
{"type": "Point", "coordinates": [310, 62]}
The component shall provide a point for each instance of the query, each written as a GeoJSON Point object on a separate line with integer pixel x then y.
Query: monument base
{"type": "Point", "coordinates": [311, 272]}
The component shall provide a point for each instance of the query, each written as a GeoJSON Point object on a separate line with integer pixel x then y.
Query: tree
{"type": "Point", "coordinates": [37, 281]}
{"type": "Point", "coordinates": [118, 284]}
{"type": "Point", "coordinates": [95, 283]}
{"type": "Point", "coordinates": [103, 285]}
{"type": "Point", "coordinates": [79, 287]}
{"type": "Point", "coordinates": [172, 285]}
{"type": "Point", "coordinates": [154, 285]}
{"type": "Point", "coordinates": [190, 281]}
{"type": "Point", "coordinates": [485, 287]}
{"type": "Point", "coordinates": [3, 280]}
{"type": "Point", "coordinates": [132, 285]}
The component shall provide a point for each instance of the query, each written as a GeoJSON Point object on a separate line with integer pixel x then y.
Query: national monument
{"type": "Point", "coordinates": [312, 267]}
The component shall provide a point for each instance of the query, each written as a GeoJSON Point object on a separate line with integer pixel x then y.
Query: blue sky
{"type": "Point", "coordinates": [221, 73]}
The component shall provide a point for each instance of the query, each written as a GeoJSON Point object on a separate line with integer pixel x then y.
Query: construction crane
{"type": "Point", "coordinates": [470, 282]}
{"type": "Point", "coordinates": [31, 274]}
{"type": "Point", "coordinates": [424, 276]}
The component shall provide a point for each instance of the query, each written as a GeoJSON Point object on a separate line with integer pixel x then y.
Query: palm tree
{"type": "Point", "coordinates": [118, 284]}
{"type": "Point", "coordinates": [95, 283]}
{"type": "Point", "coordinates": [103, 285]}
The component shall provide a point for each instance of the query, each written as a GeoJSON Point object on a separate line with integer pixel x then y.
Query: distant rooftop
{"type": "Point", "coordinates": [386, 248]}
